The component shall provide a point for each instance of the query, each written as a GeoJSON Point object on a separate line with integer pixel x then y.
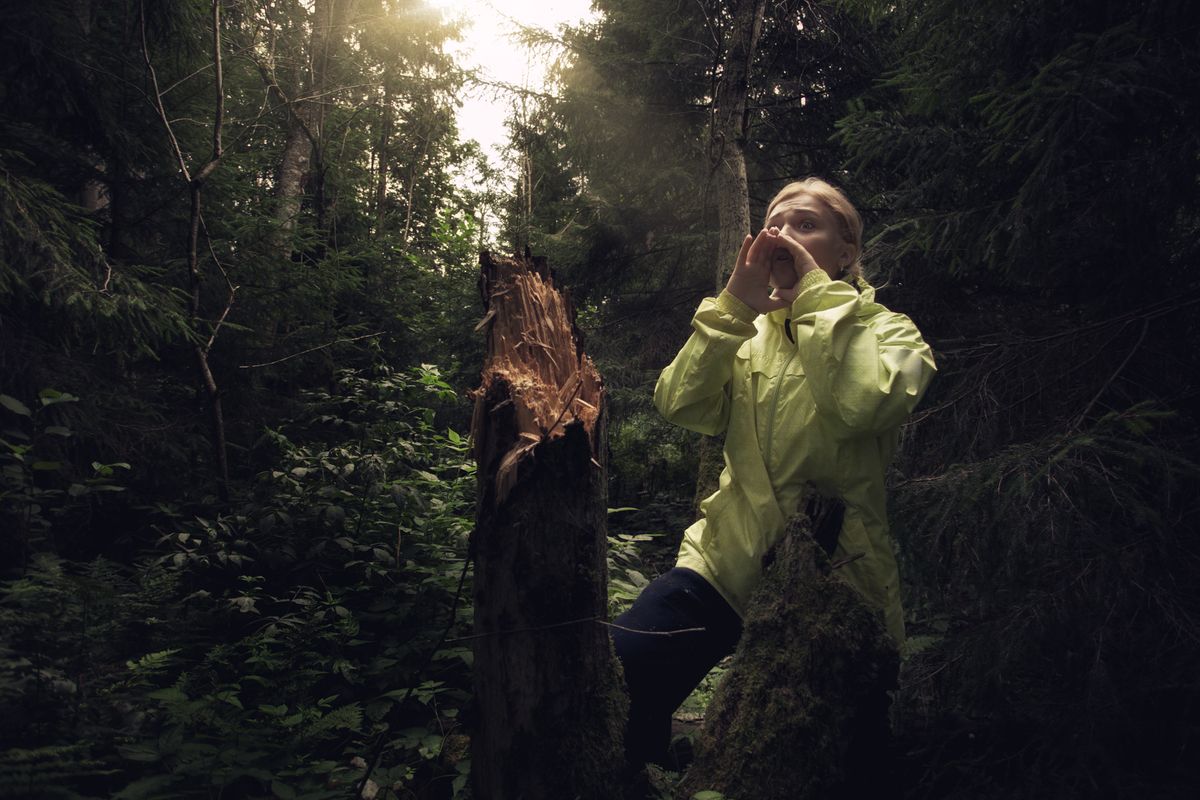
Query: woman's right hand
{"type": "Point", "coordinates": [751, 278]}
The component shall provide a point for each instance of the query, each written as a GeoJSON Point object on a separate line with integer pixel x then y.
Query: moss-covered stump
{"type": "Point", "coordinates": [806, 690]}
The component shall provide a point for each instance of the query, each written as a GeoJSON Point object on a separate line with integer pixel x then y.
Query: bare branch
{"type": "Point", "coordinates": [569, 623]}
{"type": "Point", "coordinates": [219, 117]}
{"type": "Point", "coordinates": [309, 350]}
{"type": "Point", "coordinates": [1095, 398]}
{"type": "Point", "coordinates": [232, 288]}
{"type": "Point", "coordinates": [158, 103]}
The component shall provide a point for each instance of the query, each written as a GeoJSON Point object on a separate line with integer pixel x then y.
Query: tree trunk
{"type": "Point", "coordinates": [381, 154]}
{"type": "Point", "coordinates": [549, 696]}
{"type": "Point", "coordinates": [330, 19]}
{"type": "Point", "coordinates": [802, 713]}
{"type": "Point", "coordinates": [730, 129]}
{"type": "Point", "coordinates": [289, 187]}
{"type": "Point", "coordinates": [727, 154]}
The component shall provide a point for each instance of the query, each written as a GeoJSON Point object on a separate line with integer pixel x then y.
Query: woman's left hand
{"type": "Point", "coordinates": [802, 261]}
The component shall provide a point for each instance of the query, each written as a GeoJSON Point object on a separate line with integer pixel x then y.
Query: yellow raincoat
{"type": "Point", "coordinates": [824, 410]}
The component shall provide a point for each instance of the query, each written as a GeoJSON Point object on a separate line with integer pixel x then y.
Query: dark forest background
{"type": "Point", "coordinates": [237, 302]}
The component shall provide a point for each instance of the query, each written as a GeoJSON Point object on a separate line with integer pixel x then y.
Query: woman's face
{"type": "Point", "coordinates": [809, 221]}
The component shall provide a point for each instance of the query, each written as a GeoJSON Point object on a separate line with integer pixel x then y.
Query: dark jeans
{"type": "Point", "coordinates": [662, 670]}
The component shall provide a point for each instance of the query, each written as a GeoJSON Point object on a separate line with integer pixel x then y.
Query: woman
{"type": "Point", "coordinates": [810, 379]}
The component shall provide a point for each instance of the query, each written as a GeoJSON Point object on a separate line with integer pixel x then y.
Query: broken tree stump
{"type": "Point", "coordinates": [549, 696]}
{"type": "Point", "coordinates": [802, 711]}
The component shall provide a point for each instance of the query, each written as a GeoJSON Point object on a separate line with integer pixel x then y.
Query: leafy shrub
{"type": "Point", "coordinates": [273, 648]}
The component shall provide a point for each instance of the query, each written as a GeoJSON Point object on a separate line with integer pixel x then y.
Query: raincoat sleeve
{"type": "Point", "coordinates": [693, 391]}
{"type": "Point", "coordinates": [867, 366]}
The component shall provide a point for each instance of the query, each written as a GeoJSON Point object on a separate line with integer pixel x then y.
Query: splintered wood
{"type": "Point", "coordinates": [549, 703]}
{"type": "Point", "coordinates": [534, 362]}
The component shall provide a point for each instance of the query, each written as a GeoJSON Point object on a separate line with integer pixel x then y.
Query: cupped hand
{"type": "Point", "coordinates": [802, 260]}
{"type": "Point", "coordinates": [751, 278]}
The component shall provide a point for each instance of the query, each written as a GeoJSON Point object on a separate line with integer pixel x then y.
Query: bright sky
{"type": "Point", "coordinates": [488, 44]}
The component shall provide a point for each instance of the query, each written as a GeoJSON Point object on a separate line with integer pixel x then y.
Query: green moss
{"type": "Point", "coordinates": [812, 657]}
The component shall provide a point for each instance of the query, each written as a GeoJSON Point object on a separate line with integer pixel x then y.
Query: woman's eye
{"type": "Point", "coordinates": [806, 225]}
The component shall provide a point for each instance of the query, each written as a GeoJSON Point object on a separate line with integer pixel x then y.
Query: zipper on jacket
{"type": "Point", "coordinates": [775, 407]}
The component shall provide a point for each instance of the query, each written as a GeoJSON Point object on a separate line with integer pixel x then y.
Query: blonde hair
{"type": "Point", "coordinates": [850, 224]}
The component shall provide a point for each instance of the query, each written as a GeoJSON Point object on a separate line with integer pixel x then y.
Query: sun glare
{"type": "Point", "coordinates": [489, 45]}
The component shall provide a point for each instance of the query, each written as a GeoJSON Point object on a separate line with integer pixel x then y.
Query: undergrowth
{"type": "Point", "coordinates": [273, 649]}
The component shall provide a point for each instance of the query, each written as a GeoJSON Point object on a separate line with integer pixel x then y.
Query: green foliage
{"type": "Point", "coordinates": [1016, 142]}
{"type": "Point", "coordinates": [1051, 584]}
{"type": "Point", "coordinates": [40, 489]}
{"type": "Point", "coordinates": [264, 648]}
{"type": "Point", "coordinates": [53, 269]}
{"type": "Point", "coordinates": [1027, 171]}
{"type": "Point", "coordinates": [625, 580]}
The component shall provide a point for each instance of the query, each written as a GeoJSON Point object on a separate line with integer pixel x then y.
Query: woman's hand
{"type": "Point", "coordinates": [802, 261]}
{"type": "Point", "coordinates": [757, 280]}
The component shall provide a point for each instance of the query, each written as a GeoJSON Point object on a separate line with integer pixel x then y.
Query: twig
{"type": "Point", "coordinates": [309, 350]}
{"type": "Point", "coordinates": [158, 103]}
{"type": "Point", "coordinates": [570, 622]}
{"type": "Point", "coordinates": [108, 271]}
{"type": "Point", "coordinates": [850, 559]}
{"type": "Point", "coordinates": [219, 85]}
{"type": "Point", "coordinates": [650, 633]}
{"type": "Point", "coordinates": [1095, 398]}
{"type": "Point", "coordinates": [232, 289]}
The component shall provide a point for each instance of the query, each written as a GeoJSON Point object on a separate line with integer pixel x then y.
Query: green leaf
{"type": "Point", "coordinates": [51, 397]}
{"type": "Point", "coordinates": [708, 794]}
{"type": "Point", "coordinates": [139, 752]}
{"type": "Point", "coordinates": [231, 698]}
{"type": "Point", "coordinates": [152, 786]}
{"type": "Point", "coordinates": [282, 790]}
{"type": "Point", "coordinates": [47, 466]}
{"type": "Point", "coordinates": [18, 449]}
{"type": "Point", "coordinates": [14, 405]}
{"type": "Point", "coordinates": [431, 746]}
{"type": "Point", "coordinates": [58, 430]}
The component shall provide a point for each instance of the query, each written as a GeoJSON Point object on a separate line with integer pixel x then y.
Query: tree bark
{"type": "Point", "coordinates": [802, 713]}
{"type": "Point", "coordinates": [289, 186]}
{"type": "Point", "coordinates": [728, 134]}
{"type": "Point", "coordinates": [381, 154]}
{"type": "Point", "coordinates": [307, 117]}
{"type": "Point", "coordinates": [549, 697]}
